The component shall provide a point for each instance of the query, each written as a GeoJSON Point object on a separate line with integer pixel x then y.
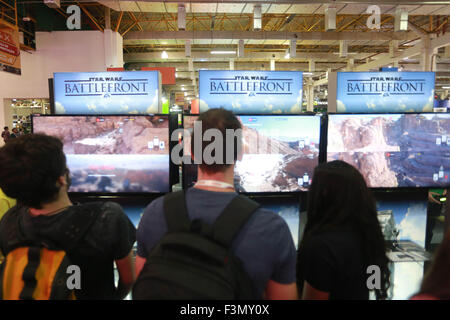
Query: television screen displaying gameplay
{"type": "Point", "coordinates": [393, 150]}
{"type": "Point", "coordinates": [112, 154]}
{"type": "Point", "coordinates": [280, 153]}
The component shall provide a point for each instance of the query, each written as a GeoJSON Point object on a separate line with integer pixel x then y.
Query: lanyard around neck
{"type": "Point", "coordinates": [214, 183]}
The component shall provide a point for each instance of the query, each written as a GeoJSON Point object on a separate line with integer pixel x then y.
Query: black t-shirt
{"type": "Point", "coordinates": [110, 237]}
{"type": "Point", "coordinates": [334, 263]}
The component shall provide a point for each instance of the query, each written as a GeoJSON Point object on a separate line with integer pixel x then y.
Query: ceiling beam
{"type": "Point", "coordinates": [255, 56]}
{"type": "Point", "coordinates": [370, 2]}
{"type": "Point", "coordinates": [142, 37]}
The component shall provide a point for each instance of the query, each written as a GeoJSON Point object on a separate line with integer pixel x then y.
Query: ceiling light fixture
{"type": "Point", "coordinates": [164, 55]}
{"type": "Point", "coordinates": [223, 52]}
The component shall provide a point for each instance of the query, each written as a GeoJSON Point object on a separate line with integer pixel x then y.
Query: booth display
{"type": "Point", "coordinates": [125, 92]}
{"type": "Point", "coordinates": [113, 154]}
{"type": "Point", "coordinates": [128, 157]}
{"type": "Point", "coordinates": [393, 150]}
{"type": "Point", "coordinates": [253, 92]}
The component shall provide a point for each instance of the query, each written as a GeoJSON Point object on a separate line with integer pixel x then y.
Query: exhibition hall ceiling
{"type": "Point", "coordinates": [150, 28]}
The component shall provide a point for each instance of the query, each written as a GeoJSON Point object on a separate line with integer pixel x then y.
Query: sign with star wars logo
{"type": "Point", "coordinates": [119, 92]}
{"type": "Point", "coordinates": [268, 92]}
{"type": "Point", "coordinates": [9, 48]}
{"type": "Point", "coordinates": [381, 92]}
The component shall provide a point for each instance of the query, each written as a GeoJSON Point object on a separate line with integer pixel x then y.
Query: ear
{"type": "Point", "coordinates": [62, 180]}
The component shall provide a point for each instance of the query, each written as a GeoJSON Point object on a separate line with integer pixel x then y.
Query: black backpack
{"type": "Point", "coordinates": [194, 260]}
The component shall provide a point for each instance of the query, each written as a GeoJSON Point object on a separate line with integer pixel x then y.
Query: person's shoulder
{"type": "Point", "coordinates": [105, 211]}
{"type": "Point", "coordinates": [269, 218]}
{"type": "Point", "coordinates": [156, 204]}
{"type": "Point", "coordinates": [12, 214]}
{"type": "Point", "coordinates": [100, 206]}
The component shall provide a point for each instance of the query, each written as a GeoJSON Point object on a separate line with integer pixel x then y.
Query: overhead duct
{"type": "Point", "coordinates": [181, 17]}
{"type": "Point", "coordinates": [241, 49]}
{"type": "Point", "coordinates": [401, 20]}
{"type": "Point", "coordinates": [257, 17]}
{"type": "Point", "coordinates": [187, 48]}
{"type": "Point", "coordinates": [343, 48]}
{"type": "Point", "coordinates": [330, 18]}
{"type": "Point", "coordinates": [293, 48]}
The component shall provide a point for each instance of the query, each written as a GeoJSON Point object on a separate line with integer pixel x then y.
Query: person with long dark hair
{"type": "Point", "coordinates": [436, 283]}
{"type": "Point", "coordinates": [342, 238]}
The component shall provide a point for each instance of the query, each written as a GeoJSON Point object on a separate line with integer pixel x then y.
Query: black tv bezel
{"type": "Point", "coordinates": [112, 195]}
{"type": "Point", "coordinates": [271, 193]}
{"type": "Point", "coordinates": [384, 189]}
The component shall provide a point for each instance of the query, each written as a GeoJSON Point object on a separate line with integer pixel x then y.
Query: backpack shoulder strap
{"type": "Point", "coordinates": [68, 235]}
{"type": "Point", "coordinates": [79, 224]}
{"type": "Point", "coordinates": [175, 211]}
{"type": "Point", "coordinates": [232, 219]}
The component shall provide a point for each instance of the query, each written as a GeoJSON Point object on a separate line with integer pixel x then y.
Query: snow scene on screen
{"type": "Point", "coordinates": [280, 153]}
{"type": "Point", "coordinates": [393, 150]}
{"type": "Point", "coordinates": [111, 154]}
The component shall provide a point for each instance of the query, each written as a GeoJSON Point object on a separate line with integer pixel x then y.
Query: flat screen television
{"type": "Point", "coordinates": [393, 150]}
{"type": "Point", "coordinates": [113, 154]}
{"type": "Point", "coordinates": [280, 153]}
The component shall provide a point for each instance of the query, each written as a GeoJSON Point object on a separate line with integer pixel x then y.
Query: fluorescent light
{"type": "Point", "coordinates": [185, 94]}
{"type": "Point", "coordinates": [223, 52]}
{"type": "Point", "coordinates": [164, 55]}
{"type": "Point", "coordinates": [287, 56]}
{"type": "Point", "coordinates": [445, 87]}
{"type": "Point", "coordinates": [307, 73]}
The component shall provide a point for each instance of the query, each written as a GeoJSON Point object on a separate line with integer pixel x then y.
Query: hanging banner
{"type": "Point", "coordinates": [251, 91]}
{"type": "Point", "coordinates": [9, 48]}
{"type": "Point", "coordinates": [127, 92]}
{"type": "Point", "coordinates": [380, 92]}
{"type": "Point", "coordinates": [167, 74]}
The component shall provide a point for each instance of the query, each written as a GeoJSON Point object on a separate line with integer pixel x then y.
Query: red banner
{"type": "Point", "coordinates": [167, 74]}
{"type": "Point", "coordinates": [9, 48]}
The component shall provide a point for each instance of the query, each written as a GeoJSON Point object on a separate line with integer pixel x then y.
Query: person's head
{"type": "Point", "coordinates": [6, 128]}
{"type": "Point", "coordinates": [216, 122]}
{"type": "Point", "coordinates": [33, 169]}
{"type": "Point", "coordinates": [436, 282]}
{"type": "Point", "coordinates": [15, 130]}
{"type": "Point", "coordinates": [339, 199]}
{"type": "Point", "coordinates": [339, 196]}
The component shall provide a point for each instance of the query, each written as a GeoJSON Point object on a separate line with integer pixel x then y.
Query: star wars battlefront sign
{"type": "Point", "coordinates": [251, 91]}
{"type": "Point", "coordinates": [366, 92]}
{"type": "Point", "coordinates": [126, 92]}
{"type": "Point", "coordinates": [9, 48]}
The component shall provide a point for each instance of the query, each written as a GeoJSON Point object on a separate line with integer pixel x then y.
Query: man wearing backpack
{"type": "Point", "coordinates": [173, 262]}
{"type": "Point", "coordinates": [55, 249]}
